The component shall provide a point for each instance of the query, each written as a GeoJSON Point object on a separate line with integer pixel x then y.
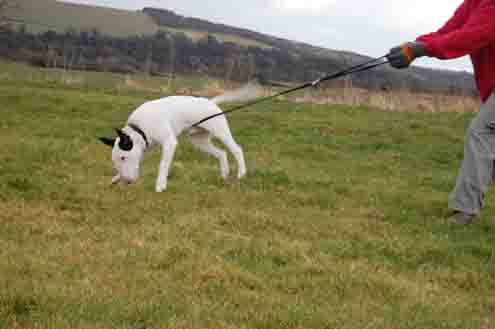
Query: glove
{"type": "Point", "coordinates": [402, 56]}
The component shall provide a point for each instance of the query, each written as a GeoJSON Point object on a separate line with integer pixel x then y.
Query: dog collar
{"type": "Point", "coordinates": [140, 132]}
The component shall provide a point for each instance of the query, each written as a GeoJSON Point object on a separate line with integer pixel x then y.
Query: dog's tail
{"type": "Point", "coordinates": [245, 94]}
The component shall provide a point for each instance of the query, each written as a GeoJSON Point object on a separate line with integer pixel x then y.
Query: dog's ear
{"type": "Point", "coordinates": [125, 142]}
{"type": "Point", "coordinates": [107, 141]}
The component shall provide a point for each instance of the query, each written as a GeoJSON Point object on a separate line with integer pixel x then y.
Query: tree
{"type": "Point", "coordinates": [5, 6]}
{"type": "Point", "coordinates": [148, 63]}
{"type": "Point", "coordinates": [172, 55]}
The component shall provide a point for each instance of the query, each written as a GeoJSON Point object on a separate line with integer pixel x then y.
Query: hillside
{"type": "Point", "coordinates": [45, 15]}
{"type": "Point", "coordinates": [272, 58]}
{"type": "Point", "coordinates": [59, 16]}
{"type": "Point", "coordinates": [421, 78]}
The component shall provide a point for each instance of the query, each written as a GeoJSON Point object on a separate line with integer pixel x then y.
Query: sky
{"type": "Point", "coordinates": [368, 27]}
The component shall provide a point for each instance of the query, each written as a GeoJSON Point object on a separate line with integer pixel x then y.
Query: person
{"type": "Point", "coordinates": [470, 31]}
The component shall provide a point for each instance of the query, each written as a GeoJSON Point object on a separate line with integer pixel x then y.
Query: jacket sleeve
{"type": "Point", "coordinates": [455, 22]}
{"type": "Point", "coordinates": [476, 33]}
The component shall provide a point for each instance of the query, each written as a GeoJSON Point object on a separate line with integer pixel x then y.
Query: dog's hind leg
{"type": "Point", "coordinates": [201, 138]}
{"type": "Point", "coordinates": [236, 150]}
{"type": "Point", "coordinates": [219, 128]}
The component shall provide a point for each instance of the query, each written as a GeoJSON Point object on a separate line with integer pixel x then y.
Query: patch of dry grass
{"type": "Point", "coordinates": [395, 101]}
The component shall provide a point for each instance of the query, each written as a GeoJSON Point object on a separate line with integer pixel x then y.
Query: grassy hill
{"type": "Point", "coordinates": [339, 223]}
{"type": "Point", "coordinates": [44, 15]}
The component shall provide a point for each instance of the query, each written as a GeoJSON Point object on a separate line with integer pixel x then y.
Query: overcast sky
{"type": "Point", "coordinates": [369, 27]}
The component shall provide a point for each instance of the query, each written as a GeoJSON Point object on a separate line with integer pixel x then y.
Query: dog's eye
{"type": "Point", "coordinates": [123, 158]}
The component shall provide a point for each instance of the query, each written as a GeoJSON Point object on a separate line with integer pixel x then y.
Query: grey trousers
{"type": "Point", "coordinates": [477, 170]}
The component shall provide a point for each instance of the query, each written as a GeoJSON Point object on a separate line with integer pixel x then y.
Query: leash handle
{"type": "Point", "coordinates": [351, 70]}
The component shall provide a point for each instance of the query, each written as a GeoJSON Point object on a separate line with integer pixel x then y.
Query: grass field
{"type": "Point", "coordinates": [339, 223]}
{"type": "Point", "coordinates": [138, 84]}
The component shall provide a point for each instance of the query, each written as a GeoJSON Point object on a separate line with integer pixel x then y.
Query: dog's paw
{"type": "Point", "coordinates": [161, 187]}
{"type": "Point", "coordinates": [241, 174]}
{"type": "Point", "coordinates": [224, 168]}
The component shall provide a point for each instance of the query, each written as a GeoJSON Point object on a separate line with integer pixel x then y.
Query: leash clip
{"type": "Point", "coordinates": [316, 82]}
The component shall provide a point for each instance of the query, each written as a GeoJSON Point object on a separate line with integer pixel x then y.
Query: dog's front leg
{"type": "Point", "coordinates": [168, 151]}
{"type": "Point", "coordinates": [116, 179]}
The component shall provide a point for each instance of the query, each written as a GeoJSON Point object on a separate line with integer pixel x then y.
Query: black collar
{"type": "Point", "coordinates": [140, 132]}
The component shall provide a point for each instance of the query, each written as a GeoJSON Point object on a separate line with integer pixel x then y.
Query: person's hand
{"type": "Point", "coordinates": [402, 56]}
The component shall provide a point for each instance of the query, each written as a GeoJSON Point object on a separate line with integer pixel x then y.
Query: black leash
{"type": "Point", "coordinates": [354, 69]}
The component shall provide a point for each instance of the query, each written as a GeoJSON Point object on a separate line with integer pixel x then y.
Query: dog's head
{"type": "Point", "coordinates": [127, 153]}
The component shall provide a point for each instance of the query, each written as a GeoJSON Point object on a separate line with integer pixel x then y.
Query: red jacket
{"type": "Point", "coordinates": [471, 31]}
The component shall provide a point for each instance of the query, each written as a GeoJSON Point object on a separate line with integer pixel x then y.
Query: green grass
{"type": "Point", "coordinates": [339, 223]}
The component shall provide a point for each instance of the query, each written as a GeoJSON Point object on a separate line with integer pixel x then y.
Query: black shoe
{"type": "Point", "coordinates": [461, 218]}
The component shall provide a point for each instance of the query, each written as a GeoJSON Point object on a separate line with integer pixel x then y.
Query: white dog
{"type": "Point", "coordinates": [161, 121]}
